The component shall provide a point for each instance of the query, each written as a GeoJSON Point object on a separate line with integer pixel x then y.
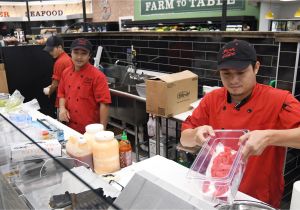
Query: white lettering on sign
{"type": "Point", "coordinates": [210, 2]}
{"type": "Point", "coordinates": [201, 3]}
{"type": "Point", "coordinates": [45, 13]}
{"type": "Point", "coordinates": [219, 3]}
{"type": "Point", "coordinates": [160, 5]}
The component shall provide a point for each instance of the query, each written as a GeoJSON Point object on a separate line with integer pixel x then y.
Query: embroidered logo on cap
{"type": "Point", "coordinates": [82, 41]}
{"type": "Point", "coordinates": [228, 52]}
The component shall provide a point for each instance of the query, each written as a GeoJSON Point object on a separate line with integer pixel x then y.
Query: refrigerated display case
{"type": "Point", "coordinates": [44, 181]}
{"type": "Point", "coordinates": [285, 25]}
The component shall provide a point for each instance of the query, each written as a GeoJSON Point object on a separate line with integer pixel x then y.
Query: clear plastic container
{"type": "Point", "coordinates": [106, 153]}
{"type": "Point", "coordinates": [218, 168]}
{"type": "Point", "coordinates": [90, 132]}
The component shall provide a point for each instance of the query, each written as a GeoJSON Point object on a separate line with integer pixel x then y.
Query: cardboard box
{"type": "Point", "coordinates": [3, 80]}
{"type": "Point", "coordinates": [171, 94]}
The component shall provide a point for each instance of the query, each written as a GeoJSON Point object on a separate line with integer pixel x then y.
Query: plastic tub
{"type": "Point", "coordinates": [141, 89]}
{"type": "Point", "coordinates": [218, 167]}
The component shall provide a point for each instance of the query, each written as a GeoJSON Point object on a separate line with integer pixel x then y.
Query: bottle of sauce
{"type": "Point", "coordinates": [106, 153]}
{"type": "Point", "coordinates": [125, 151]}
{"type": "Point", "coordinates": [79, 149]}
{"type": "Point", "coordinates": [90, 131]}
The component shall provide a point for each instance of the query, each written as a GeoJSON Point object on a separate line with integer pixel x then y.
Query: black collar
{"type": "Point", "coordinates": [242, 102]}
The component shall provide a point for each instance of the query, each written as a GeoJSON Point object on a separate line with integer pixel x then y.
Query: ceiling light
{"type": "Point", "coordinates": [297, 13]}
{"type": "Point", "coordinates": [269, 15]}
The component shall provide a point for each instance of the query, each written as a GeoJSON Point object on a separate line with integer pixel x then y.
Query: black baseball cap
{"type": "Point", "coordinates": [237, 54]}
{"type": "Point", "coordinates": [82, 43]}
{"type": "Point", "coordinates": [53, 41]}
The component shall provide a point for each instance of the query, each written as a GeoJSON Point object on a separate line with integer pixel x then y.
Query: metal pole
{"type": "Point", "coordinates": [84, 16]}
{"type": "Point", "coordinates": [224, 15]}
{"type": "Point", "coordinates": [28, 16]}
{"type": "Point", "coordinates": [157, 133]}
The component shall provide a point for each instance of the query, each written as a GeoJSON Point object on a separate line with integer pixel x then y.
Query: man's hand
{"type": "Point", "coordinates": [64, 115]}
{"type": "Point", "coordinates": [202, 133]}
{"type": "Point", "coordinates": [255, 142]}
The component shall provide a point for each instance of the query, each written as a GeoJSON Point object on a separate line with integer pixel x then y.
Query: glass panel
{"type": "Point", "coordinates": [33, 171]}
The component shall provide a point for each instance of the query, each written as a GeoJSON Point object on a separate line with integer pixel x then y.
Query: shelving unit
{"type": "Point", "coordinates": [210, 23]}
{"type": "Point", "coordinates": [284, 25]}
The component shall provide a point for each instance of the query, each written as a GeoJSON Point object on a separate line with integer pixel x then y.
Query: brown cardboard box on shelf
{"type": "Point", "coordinates": [171, 94]}
{"type": "Point", "coordinates": [3, 80]}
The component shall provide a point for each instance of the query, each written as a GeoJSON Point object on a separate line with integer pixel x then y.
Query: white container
{"type": "Point", "coordinates": [106, 153]}
{"type": "Point", "coordinates": [90, 132]}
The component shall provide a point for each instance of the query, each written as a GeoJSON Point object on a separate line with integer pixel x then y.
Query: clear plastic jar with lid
{"type": "Point", "coordinates": [106, 153]}
{"type": "Point", "coordinates": [90, 131]}
{"type": "Point", "coordinates": [79, 149]}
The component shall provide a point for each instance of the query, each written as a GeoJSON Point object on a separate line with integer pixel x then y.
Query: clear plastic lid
{"type": "Point", "coordinates": [94, 128]}
{"type": "Point", "coordinates": [104, 136]}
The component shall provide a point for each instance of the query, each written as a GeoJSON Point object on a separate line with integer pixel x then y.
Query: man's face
{"type": "Point", "coordinates": [80, 57]}
{"type": "Point", "coordinates": [240, 83]}
{"type": "Point", "coordinates": [55, 52]}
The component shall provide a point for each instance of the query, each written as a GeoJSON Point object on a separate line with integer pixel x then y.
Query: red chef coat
{"type": "Point", "coordinates": [266, 108]}
{"type": "Point", "coordinates": [83, 90]}
{"type": "Point", "coordinates": [62, 62]}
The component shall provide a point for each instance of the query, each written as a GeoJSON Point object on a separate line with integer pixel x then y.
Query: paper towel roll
{"type": "Point", "coordinates": [295, 201]}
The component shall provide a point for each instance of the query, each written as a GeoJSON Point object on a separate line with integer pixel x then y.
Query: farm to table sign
{"type": "Point", "coordinates": [151, 7]}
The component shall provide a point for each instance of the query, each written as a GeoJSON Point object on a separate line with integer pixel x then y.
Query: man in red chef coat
{"type": "Point", "coordinates": [83, 91]}
{"type": "Point", "coordinates": [55, 47]}
{"type": "Point", "coordinates": [244, 104]}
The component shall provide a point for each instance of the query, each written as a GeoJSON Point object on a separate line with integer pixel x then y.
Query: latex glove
{"type": "Point", "coordinates": [46, 90]}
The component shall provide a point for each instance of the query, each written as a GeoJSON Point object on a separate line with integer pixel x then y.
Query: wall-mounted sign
{"type": "Point", "coordinates": [44, 10]}
{"type": "Point", "coordinates": [46, 13]}
{"type": "Point", "coordinates": [4, 14]}
{"type": "Point", "coordinates": [151, 7]}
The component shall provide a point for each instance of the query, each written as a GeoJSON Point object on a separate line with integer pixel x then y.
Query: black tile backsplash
{"type": "Point", "coordinates": [158, 44]}
{"type": "Point", "coordinates": [140, 43]}
{"type": "Point", "coordinates": [266, 49]}
{"type": "Point", "coordinates": [181, 62]}
{"type": "Point", "coordinates": [285, 85]}
{"type": "Point", "coordinates": [291, 47]}
{"type": "Point", "coordinates": [287, 59]}
{"type": "Point", "coordinates": [211, 56]}
{"type": "Point", "coordinates": [286, 74]}
{"type": "Point", "coordinates": [149, 51]}
{"type": "Point", "coordinates": [169, 52]}
{"type": "Point", "coordinates": [265, 60]}
{"type": "Point", "coordinates": [267, 71]}
{"type": "Point", "coordinates": [181, 45]}
{"type": "Point", "coordinates": [168, 68]}
{"type": "Point", "coordinates": [201, 46]}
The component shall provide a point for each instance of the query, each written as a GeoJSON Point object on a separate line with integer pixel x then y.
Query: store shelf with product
{"type": "Point", "coordinates": [284, 25]}
{"type": "Point", "coordinates": [191, 24]}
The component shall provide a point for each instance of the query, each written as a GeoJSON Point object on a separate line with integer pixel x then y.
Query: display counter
{"type": "Point", "coordinates": [32, 183]}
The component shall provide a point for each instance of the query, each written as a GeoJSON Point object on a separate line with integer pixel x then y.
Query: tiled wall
{"type": "Point", "coordinates": [198, 54]}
